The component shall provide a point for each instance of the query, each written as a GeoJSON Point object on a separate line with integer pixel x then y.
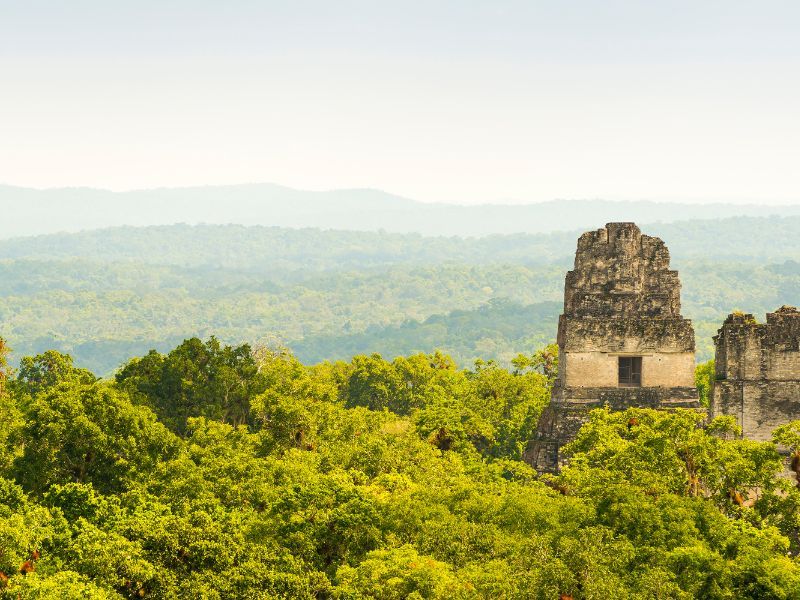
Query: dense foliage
{"type": "Point", "coordinates": [704, 375]}
{"type": "Point", "coordinates": [104, 296]}
{"type": "Point", "coordinates": [221, 472]}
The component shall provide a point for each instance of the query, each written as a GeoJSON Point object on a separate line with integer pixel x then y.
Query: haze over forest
{"type": "Point", "coordinates": [367, 272]}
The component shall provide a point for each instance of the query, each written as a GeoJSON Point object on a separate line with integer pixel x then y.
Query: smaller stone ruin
{"type": "Point", "coordinates": [757, 376]}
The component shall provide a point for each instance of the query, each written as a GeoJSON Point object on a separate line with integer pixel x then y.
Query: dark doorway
{"type": "Point", "coordinates": [630, 371]}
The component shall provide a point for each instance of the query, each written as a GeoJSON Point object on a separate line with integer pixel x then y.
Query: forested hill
{"type": "Point", "coordinates": [276, 249]}
{"type": "Point", "coordinates": [33, 212]}
{"type": "Point", "coordinates": [109, 294]}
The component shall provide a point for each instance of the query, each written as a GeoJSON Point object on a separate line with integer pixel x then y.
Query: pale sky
{"type": "Point", "coordinates": [452, 101]}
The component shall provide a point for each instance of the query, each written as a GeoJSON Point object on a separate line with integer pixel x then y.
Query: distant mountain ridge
{"type": "Point", "coordinates": [28, 212]}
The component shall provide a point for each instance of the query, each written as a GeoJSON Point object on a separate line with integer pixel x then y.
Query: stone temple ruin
{"type": "Point", "coordinates": [622, 341]}
{"type": "Point", "coordinates": [757, 377]}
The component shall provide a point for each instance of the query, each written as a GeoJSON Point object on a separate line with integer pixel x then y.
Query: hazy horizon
{"type": "Point", "coordinates": [767, 202]}
{"type": "Point", "coordinates": [34, 212]}
{"type": "Point", "coordinates": [453, 102]}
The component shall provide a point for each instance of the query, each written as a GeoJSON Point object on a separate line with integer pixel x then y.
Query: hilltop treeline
{"type": "Point", "coordinates": [216, 471]}
{"type": "Point", "coordinates": [280, 249]}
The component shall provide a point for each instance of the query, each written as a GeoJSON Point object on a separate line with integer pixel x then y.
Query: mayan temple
{"type": "Point", "coordinates": [622, 340]}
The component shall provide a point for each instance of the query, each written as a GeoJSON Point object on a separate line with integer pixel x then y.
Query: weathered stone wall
{"type": "Point", "coordinates": [569, 410]}
{"type": "Point", "coordinates": [619, 271]}
{"type": "Point", "coordinates": [660, 369]}
{"type": "Point", "coordinates": [758, 371]}
{"type": "Point", "coordinates": [625, 333]}
{"type": "Point", "coordinates": [621, 299]}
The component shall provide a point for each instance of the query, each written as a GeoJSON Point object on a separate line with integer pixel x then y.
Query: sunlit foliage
{"type": "Point", "coordinates": [371, 479]}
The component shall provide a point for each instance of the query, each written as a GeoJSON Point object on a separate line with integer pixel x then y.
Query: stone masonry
{"type": "Point", "coordinates": [757, 377]}
{"type": "Point", "coordinates": [622, 340]}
